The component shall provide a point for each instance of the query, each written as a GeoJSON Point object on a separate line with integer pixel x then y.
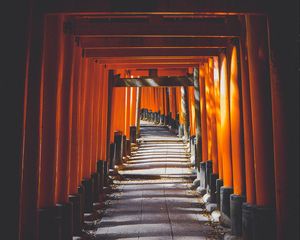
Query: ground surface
{"type": "Point", "coordinates": [152, 199]}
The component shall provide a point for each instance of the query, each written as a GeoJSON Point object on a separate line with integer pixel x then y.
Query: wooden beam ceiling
{"type": "Point", "coordinates": [148, 65]}
{"type": "Point", "coordinates": [157, 27]}
{"type": "Point", "coordinates": [218, 7]}
{"type": "Point", "coordinates": [151, 60]}
{"type": "Point", "coordinates": [151, 42]}
{"type": "Point", "coordinates": [164, 52]}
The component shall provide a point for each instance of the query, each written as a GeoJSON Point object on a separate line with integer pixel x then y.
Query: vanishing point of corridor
{"type": "Point", "coordinates": [152, 197]}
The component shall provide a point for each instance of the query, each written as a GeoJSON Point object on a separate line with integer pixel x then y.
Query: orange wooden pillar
{"type": "Point", "coordinates": [204, 130]}
{"type": "Point", "coordinates": [191, 105]}
{"type": "Point", "coordinates": [74, 153]}
{"type": "Point", "coordinates": [226, 190]}
{"type": "Point", "coordinates": [236, 128]}
{"type": "Point", "coordinates": [262, 125]}
{"type": "Point", "coordinates": [248, 138]}
{"type": "Point", "coordinates": [82, 97]}
{"type": "Point", "coordinates": [213, 128]}
{"type": "Point", "coordinates": [208, 111]}
{"type": "Point", "coordinates": [212, 167]}
{"type": "Point", "coordinates": [63, 133]}
{"type": "Point", "coordinates": [51, 75]}
{"type": "Point", "coordinates": [185, 112]}
{"type": "Point", "coordinates": [31, 130]}
{"type": "Point", "coordinates": [203, 113]}
{"type": "Point", "coordinates": [133, 106]}
{"type": "Point", "coordinates": [238, 197]}
{"type": "Point", "coordinates": [197, 141]}
{"type": "Point", "coordinates": [217, 76]}
{"type": "Point", "coordinates": [105, 109]}
{"type": "Point", "coordinates": [284, 61]}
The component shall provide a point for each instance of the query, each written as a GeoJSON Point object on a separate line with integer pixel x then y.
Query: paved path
{"type": "Point", "coordinates": [153, 200]}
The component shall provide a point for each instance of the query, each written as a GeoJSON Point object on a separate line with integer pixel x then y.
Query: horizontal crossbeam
{"type": "Point", "coordinates": [153, 81]}
{"type": "Point", "coordinates": [164, 52]}
{"type": "Point", "coordinates": [161, 27]}
{"type": "Point", "coordinates": [151, 42]}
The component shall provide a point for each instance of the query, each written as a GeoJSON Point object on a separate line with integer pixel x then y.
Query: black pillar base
{"type": "Point", "coordinates": [202, 177]}
{"type": "Point", "coordinates": [105, 173]}
{"type": "Point", "coordinates": [49, 224]}
{"type": "Point", "coordinates": [162, 119]}
{"type": "Point", "coordinates": [180, 131]}
{"type": "Point", "coordinates": [75, 200]}
{"type": "Point", "coordinates": [96, 180]}
{"type": "Point", "coordinates": [193, 150]}
{"type": "Point", "coordinates": [100, 170]}
{"type": "Point", "coordinates": [133, 134]}
{"type": "Point", "coordinates": [225, 193]}
{"type": "Point", "coordinates": [264, 225]}
{"type": "Point", "coordinates": [128, 147]}
{"type": "Point", "coordinates": [219, 184]}
{"type": "Point", "coordinates": [236, 202]}
{"type": "Point", "coordinates": [81, 192]}
{"type": "Point", "coordinates": [247, 221]}
{"type": "Point", "coordinates": [118, 138]}
{"type": "Point", "coordinates": [65, 212]}
{"type": "Point", "coordinates": [88, 203]}
{"type": "Point", "coordinates": [112, 154]}
{"type": "Point", "coordinates": [213, 188]}
{"type": "Point", "coordinates": [208, 172]}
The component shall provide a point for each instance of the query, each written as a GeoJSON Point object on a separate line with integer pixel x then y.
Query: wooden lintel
{"type": "Point", "coordinates": [151, 52]}
{"type": "Point", "coordinates": [151, 42]}
{"type": "Point", "coordinates": [153, 81]}
{"type": "Point", "coordinates": [174, 28]}
{"type": "Point", "coordinates": [152, 60]}
{"type": "Point", "coordinates": [149, 65]}
{"type": "Point", "coordinates": [192, 7]}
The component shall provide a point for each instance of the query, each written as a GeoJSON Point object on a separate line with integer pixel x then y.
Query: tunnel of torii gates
{"type": "Point", "coordinates": [211, 77]}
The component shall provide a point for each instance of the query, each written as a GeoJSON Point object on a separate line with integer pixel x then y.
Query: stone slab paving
{"type": "Point", "coordinates": [153, 199]}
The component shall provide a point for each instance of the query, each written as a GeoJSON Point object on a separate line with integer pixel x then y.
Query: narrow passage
{"type": "Point", "coordinates": [152, 200]}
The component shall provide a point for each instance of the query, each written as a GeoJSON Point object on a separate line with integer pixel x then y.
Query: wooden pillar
{"type": "Point", "coordinates": [257, 42]}
{"type": "Point", "coordinates": [284, 70]}
{"type": "Point", "coordinates": [63, 121]}
{"type": "Point", "coordinates": [108, 117]}
{"type": "Point", "coordinates": [218, 115]}
{"type": "Point", "coordinates": [167, 99]}
{"type": "Point", "coordinates": [198, 156]}
{"type": "Point", "coordinates": [185, 112]}
{"type": "Point", "coordinates": [247, 121]}
{"type": "Point", "coordinates": [213, 110]}
{"type": "Point", "coordinates": [138, 109]}
{"type": "Point", "coordinates": [75, 156]}
{"type": "Point", "coordinates": [225, 122]}
{"type": "Point", "coordinates": [203, 113]}
{"type": "Point", "coordinates": [261, 109]}
{"type": "Point", "coordinates": [236, 128]}
{"type": "Point", "coordinates": [31, 132]}
{"type": "Point", "coordinates": [51, 68]}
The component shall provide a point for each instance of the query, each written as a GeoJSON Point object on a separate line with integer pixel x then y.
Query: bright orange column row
{"type": "Point", "coordinates": [72, 121]}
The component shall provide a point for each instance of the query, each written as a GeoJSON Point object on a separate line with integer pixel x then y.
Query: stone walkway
{"type": "Point", "coordinates": [153, 200]}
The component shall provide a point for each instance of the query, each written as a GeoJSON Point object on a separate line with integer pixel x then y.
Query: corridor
{"type": "Point", "coordinates": [152, 199]}
{"type": "Point", "coordinates": [162, 119]}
